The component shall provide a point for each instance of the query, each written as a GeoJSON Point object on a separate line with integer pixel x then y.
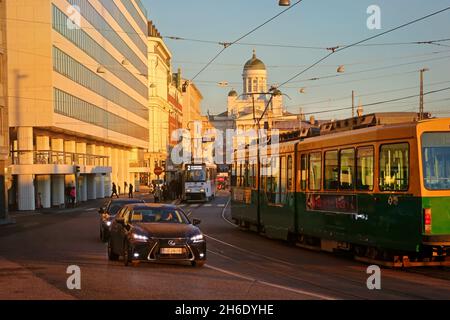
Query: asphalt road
{"type": "Point", "coordinates": [36, 252]}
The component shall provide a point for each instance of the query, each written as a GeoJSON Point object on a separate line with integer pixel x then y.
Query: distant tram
{"type": "Point", "coordinates": [377, 186]}
{"type": "Point", "coordinates": [199, 182]}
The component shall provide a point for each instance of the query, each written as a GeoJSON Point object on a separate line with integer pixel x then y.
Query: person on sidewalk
{"type": "Point", "coordinates": [130, 191]}
{"type": "Point", "coordinates": [125, 184]}
{"type": "Point", "coordinates": [157, 194]}
{"type": "Point", "coordinates": [114, 190]}
{"type": "Point", "coordinates": [73, 196]}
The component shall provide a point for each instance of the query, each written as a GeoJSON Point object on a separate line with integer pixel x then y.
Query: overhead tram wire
{"type": "Point", "coordinates": [380, 102]}
{"type": "Point", "coordinates": [365, 94]}
{"type": "Point", "coordinates": [227, 45]}
{"type": "Point", "coordinates": [292, 46]}
{"type": "Point", "coordinates": [339, 49]}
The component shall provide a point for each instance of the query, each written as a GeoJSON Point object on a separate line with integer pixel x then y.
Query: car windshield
{"type": "Point", "coordinates": [436, 160]}
{"type": "Point", "coordinates": [158, 215]}
{"type": "Point", "coordinates": [117, 205]}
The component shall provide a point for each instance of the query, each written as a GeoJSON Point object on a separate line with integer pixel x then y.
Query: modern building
{"type": "Point", "coordinates": [4, 130]}
{"type": "Point", "coordinates": [78, 97]}
{"type": "Point", "coordinates": [160, 77]}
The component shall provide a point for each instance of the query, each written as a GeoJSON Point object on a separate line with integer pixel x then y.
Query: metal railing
{"type": "Point", "coordinates": [56, 157]}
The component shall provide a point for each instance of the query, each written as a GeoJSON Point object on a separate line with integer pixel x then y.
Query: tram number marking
{"type": "Point", "coordinates": [393, 200]}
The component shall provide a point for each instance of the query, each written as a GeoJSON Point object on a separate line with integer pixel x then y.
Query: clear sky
{"type": "Point", "coordinates": [375, 73]}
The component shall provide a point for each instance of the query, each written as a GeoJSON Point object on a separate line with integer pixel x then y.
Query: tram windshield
{"type": "Point", "coordinates": [196, 174]}
{"type": "Point", "coordinates": [436, 160]}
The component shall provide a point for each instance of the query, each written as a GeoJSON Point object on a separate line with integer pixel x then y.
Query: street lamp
{"type": "Point", "coordinates": [284, 3]}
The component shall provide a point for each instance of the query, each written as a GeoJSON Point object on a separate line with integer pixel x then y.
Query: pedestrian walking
{"type": "Point", "coordinates": [114, 190]}
{"type": "Point", "coordinates": [130, 191]}
{"type": "Point", "coordinates": [157, 194]}
{"type": "Point", "coordinates": [125, 184]}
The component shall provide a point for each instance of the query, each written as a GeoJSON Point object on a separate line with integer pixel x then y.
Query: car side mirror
{"type": "Point", "coordinates": [196, 222]}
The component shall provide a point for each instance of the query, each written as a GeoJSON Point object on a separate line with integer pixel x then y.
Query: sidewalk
{"type": "Point", "coordinates": [87, 205]}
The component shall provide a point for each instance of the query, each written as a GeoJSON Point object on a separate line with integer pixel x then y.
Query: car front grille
{"type": "Point", "coordinates": [180, 243]}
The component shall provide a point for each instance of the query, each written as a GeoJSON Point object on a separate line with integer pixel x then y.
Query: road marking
{"type": "Point", "coordinates": [31, 224]}
{"type": "Point", "coordinates": [194, 206]}
{"type": "Point", "coordinates": [269, 284]}
{"type": "Point", "coordinates": [221, 205]}
{"type": "Point", "coordinates": [223, 214]}
{"type": "Point", "coordinates": [207, 205]}
{"type": "Point", "coordinates": [250, 252]}
{"type": "Point", "coordinates": [182, 205]}
{"type": "Point", "coordinates": [91, 209]}
{"type": "Point", "coordinates": [23, 215]}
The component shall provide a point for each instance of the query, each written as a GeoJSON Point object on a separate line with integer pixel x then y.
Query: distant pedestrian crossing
{"type": "Point", "coordinates": [203, 205]}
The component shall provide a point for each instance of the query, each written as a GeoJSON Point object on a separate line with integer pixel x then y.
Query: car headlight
{"type": "Point", "coordinates": [197, 238]}
{"type": "Point", "coordinates": [202, 190]}
{"type": "Point", "coordinates": [139, 237]}
{"type": "Point", "coordinates": [108, 223]}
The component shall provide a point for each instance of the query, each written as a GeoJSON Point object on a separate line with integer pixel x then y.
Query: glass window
{"type": "Point", "coordinates": [289, 173]}
{"type": "Point", "coordinates": [436, 160]}
{"type": "Point", "coordinates": [331, 179]}
{"type": "Point", "coordinates": [283, 179]}
{"type": "Point", "coordinates": [246, 175]}
{"type": "Point", "coordinates": [347, 169]}
{"type": "Point", "coordinates": [364, 168]}
{"type": "Point", "coordinates": [273, 180]}
{"type": "Point", "coordinates": [233, 174]}
{"type": "Point", "coordinates": [394, 167]}
{"type": "Point", "coordinates": [315, 170]}
{"type": "Point", "coordinates": [303, 171]}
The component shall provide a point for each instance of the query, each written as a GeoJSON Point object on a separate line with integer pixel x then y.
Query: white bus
{"type": "Point", "coordinates": [199, 182]}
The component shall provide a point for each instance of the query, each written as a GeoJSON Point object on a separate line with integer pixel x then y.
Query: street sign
{"type": "Point", "coordinates": [158, 170]}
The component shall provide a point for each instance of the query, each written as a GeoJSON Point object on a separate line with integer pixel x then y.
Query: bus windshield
{"type": "Point", "coordinates": [436, 160]}
{"type": "Point", "coordinates": [195, 176]}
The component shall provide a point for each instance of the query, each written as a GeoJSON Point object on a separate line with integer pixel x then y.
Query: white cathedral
{"type": "Point", "coordinates": [242, 108]}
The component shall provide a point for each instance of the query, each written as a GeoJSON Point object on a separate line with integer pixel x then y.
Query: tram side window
{"type": "Point", "coordinates": [394, 167]}
{"type": "Point", "coordinates": [251, 175]}
{"type": "Point", "coordinates": [331, 179]}
{"type": "Point", "coordinates": [283, 179]}
{"type": "Point", "coordinates": [246, 175]}
{"type": "Point", "coordinates": [273, 181]}
{"type": "Point", "coordinates": [239, 175]}
{"type": "Point", "coordinates": [315, 170]}
{"type": "Point", "coordinates": [303, 171]}
{"type": "Point", "coordinates": [347, 169]}
{"type": "Point", "coordinates": [289, 173]}
{"type": "Point", "coordinates": [233, 175]}
{"type": "Point", "coordinates": [364, 168]}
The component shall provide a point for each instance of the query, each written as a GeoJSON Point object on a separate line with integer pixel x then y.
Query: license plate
{"type": "Point", "coordinates": [171, 250]}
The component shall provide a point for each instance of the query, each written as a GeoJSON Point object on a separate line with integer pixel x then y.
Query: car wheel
{"type": "Point", "coordinates": [111, 255]}
{"type": "Point", "coordinates": [126, 254]}
{"type": "Point", "coordinates": [198, 263]}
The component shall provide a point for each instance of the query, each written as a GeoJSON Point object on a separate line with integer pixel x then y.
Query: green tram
{"type": "Point", "coordinates": [377, 186]}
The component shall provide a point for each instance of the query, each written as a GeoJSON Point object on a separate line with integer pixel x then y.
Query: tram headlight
{"type": "Point", "coordinates": [202, 190]}
{"type": "Point", "coordinates": [188, 190]}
